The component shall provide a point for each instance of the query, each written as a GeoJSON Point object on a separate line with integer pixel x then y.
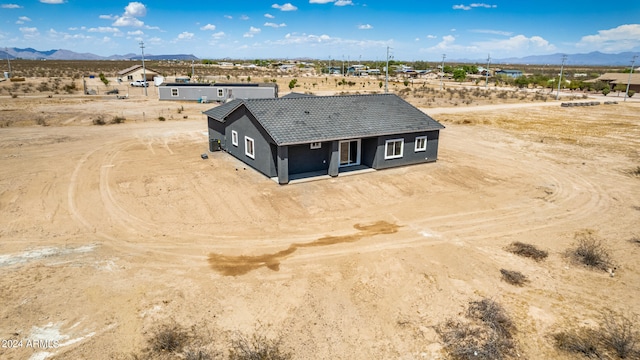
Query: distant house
{"type": "Point", "coordinates": [136, 72]}
{"type": "Point", "coordinates": [286, 138]}
{"type": "Point", "coordinates": [220, 92]}
{"type": "Point", "coordinates": [620, 78]}
{"type": "Point", "coordinates": [509, 73]}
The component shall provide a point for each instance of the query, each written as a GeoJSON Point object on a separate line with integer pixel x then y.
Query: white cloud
{"type": "Point", "coordinates": [269, 16]}
{"type": "Point", "coordinates": [475, 5]}
{"type": "Point", "coordinates": [244, 17]}
{"type": "Point", "coordinates": [108, 17]}
{"type": "Point", "coordinates": [131, 14]}
{"type": "Point", "coordinates": [274, 25]}
{"type": "Point", "coordinates": [311, 40]}
{"type": "Point", "coordinates": [104, 29]}
{"type": "Point", "coordinates": [431, 36]}
{"type": "Point", "coordinates": [52, 1]}
{"type": "Point", "coordinates": [208, 27]}
{"type": "Point", "coordinates": [482, 5]}
{"type": "Point", "coordinates": [285, 7]}
{"type": "Point", "coordinates": [622, 38]}
{"type": "Point", "coordinates": [335, 2]}
{"type": "Point", "coordinates": [218, 35]}
{"type": "Point", "coordinates": [10, 6]}
{"type": "Point", "coordinates": [365, 27]}
{"type": "Point", "coordinates": [29, 32]}
{"type": "Point", "coordinates": [185, 36]}
{"type": "Point", "coordinates": [517, 45]}
{"type": "Point", "coordinates": [135, 33]}
{"type": "Point", "coordinates": [492, 32]}
{"type": "Point", "coordinates": [228, 17]}
{"type": "Point", "coordinates": [135, 9]}
{"type": "Point", "coordinates": [22, 19]}
{"type": "Point", "coordinates": [252, 31]}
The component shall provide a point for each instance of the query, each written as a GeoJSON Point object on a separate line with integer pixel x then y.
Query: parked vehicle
{"type": "Point", "coordinates": [139, 83]}
{"type": "Point", "coordinates": [112, 92]}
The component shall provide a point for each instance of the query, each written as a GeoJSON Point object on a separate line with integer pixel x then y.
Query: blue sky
{"type": "Point", "coordinates": [337, 29]}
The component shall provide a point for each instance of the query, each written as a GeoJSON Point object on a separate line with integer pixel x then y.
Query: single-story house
{"type": "Point", "coordinates": [509, 73]}
{"type": "Point", "coordinates": [325, 135]}
{"type": "Point", "coordinates": [136, 72]}
{"type": "Point", "coordinates": [220, 92]}
{"type": "Point", "coordinates": [621, 78]}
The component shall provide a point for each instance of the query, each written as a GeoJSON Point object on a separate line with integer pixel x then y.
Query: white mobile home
{"type": "Point", "coordinates": [217, 92]}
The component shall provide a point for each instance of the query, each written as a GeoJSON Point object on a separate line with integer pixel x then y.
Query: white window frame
{"type": "Point", "coordinates": [252, 153]}
{"type": "Point", "coordinates": [315, 145]}
{"type": "Point", "coordinates": [220, 93]}
{"type": "Point", "coordinates": [174, 92]}
{"type": "Point", "coordinates": [386, 149]}
{"type": "Point", "coordinates": [417, 141]}
{"type": "Point", "coordinates": [234, 138]}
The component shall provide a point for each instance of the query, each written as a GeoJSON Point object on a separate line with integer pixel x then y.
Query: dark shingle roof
{"type": "Point", "coordinates": [296, 95]}
{"type": "Point", "coordinates": [324, 118]}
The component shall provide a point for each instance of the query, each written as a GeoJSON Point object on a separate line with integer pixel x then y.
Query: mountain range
{"type": "Point", "coordinates": [61, 54]}
{"type": "Point", "coordinates": [592, 58]}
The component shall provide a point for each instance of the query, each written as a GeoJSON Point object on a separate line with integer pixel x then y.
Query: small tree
{"type": "Point", "coordinates": [620, 87]}
{"type": "Point", "coordinates": [606, 91]}
{"type": "Point", "coordinates": [104, 79]}
{"type": "Point", "coordinates": [459, 75]}
{"type": "Point", "coordinates": [292, 83]}
{"type": "Point", "coordinates": [380, 85]}
{"type": "Point", "coordinates": [630, 93]}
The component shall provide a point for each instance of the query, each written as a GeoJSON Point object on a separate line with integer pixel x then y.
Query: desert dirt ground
{"type": "Point", "coordinates": [107, 232]}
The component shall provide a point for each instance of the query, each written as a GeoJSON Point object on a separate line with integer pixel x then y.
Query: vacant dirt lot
{"type": "Point", "coordinates": [107, 232]}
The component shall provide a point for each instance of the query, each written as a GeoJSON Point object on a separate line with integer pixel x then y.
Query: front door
{"type": "Point", "coordinates": [349, 152]}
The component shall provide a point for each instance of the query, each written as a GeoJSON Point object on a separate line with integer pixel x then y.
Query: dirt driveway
{"type": "Point", "coordinates": [107, 232]}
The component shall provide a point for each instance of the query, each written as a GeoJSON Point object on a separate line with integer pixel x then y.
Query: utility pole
{"type": "Point", "coordinates": [386, 74]}
{"type": "Point", "coordinates": [144, 71]}
{"type": "Point", "coordinates": [633, 62]}
{"type": "Point", "coordinates": [486, 83]}
{"type": "Point", "coordinates": [442, 74]}
{"type": "Point", "coordinates": [193, 71]}
{"type": "Point", "coordinates": [9, 62]}
{"type": "Point", "coordinates": [564, 58]}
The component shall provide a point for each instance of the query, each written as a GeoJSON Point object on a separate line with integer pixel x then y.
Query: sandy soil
{"type": "Point", "coordinates": [107, 232]}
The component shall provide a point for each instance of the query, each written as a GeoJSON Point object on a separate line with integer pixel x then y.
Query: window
{"type": "Point", "coordinates": [220, 93]}
{"type": "Point", "coordinates": [234, 137]}
{"type": "Point", "coordinates": [249, 149]}
{"type": "Point", "coordinates": [421, 143]}
{"type": "Point", "coordinates": [174, 92]}
{"type": "Point", "coordinates": [393, 148]}
{"type": "Point", "coordinates": [316, 145]}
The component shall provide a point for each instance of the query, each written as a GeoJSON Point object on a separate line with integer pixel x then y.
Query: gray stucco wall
{"type": "Point", "coordinates": [244, 123]}
{"type": "Point", "coordinates": [304, 159]}
{"type": "Point", "coordinates": [409, 155]}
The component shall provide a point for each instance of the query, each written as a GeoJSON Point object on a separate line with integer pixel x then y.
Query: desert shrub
{"type": "Point", "coordinates": [40, 120]}
{"type": "Point", "coordinates": [488, 333]}
{"type": "Point", "coordinates": [197, 355]}
{"type": "Point", "coordinates": [168, 338]}
{"type": "Point", "coordinates": [527, 250]}
{"type": "Point", "coordinates": [513, 277]}
{"type": "Point", "coordinates": [615, 334]}
{"type": "Point", "coordinates": [99, 120]}
{"type": "Point", "coordinates": [618, 334]}
{"type": "Point", "coordinates": [161, 118]}
{"type": "Point", "coordinates": [118, 120]}
{"type": "Point", "coordinates": [582, 342]}
{"type": "Point", "coordinates": [180, 109]}
{"type": "Point", "coordinates": [635, 239]}
{"type": "Point", "coordinates": [635, 171]}
{"type": "Point", "coordinates": [590, 251]}
{"type": "Point", "coordinates": [257, 347]}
